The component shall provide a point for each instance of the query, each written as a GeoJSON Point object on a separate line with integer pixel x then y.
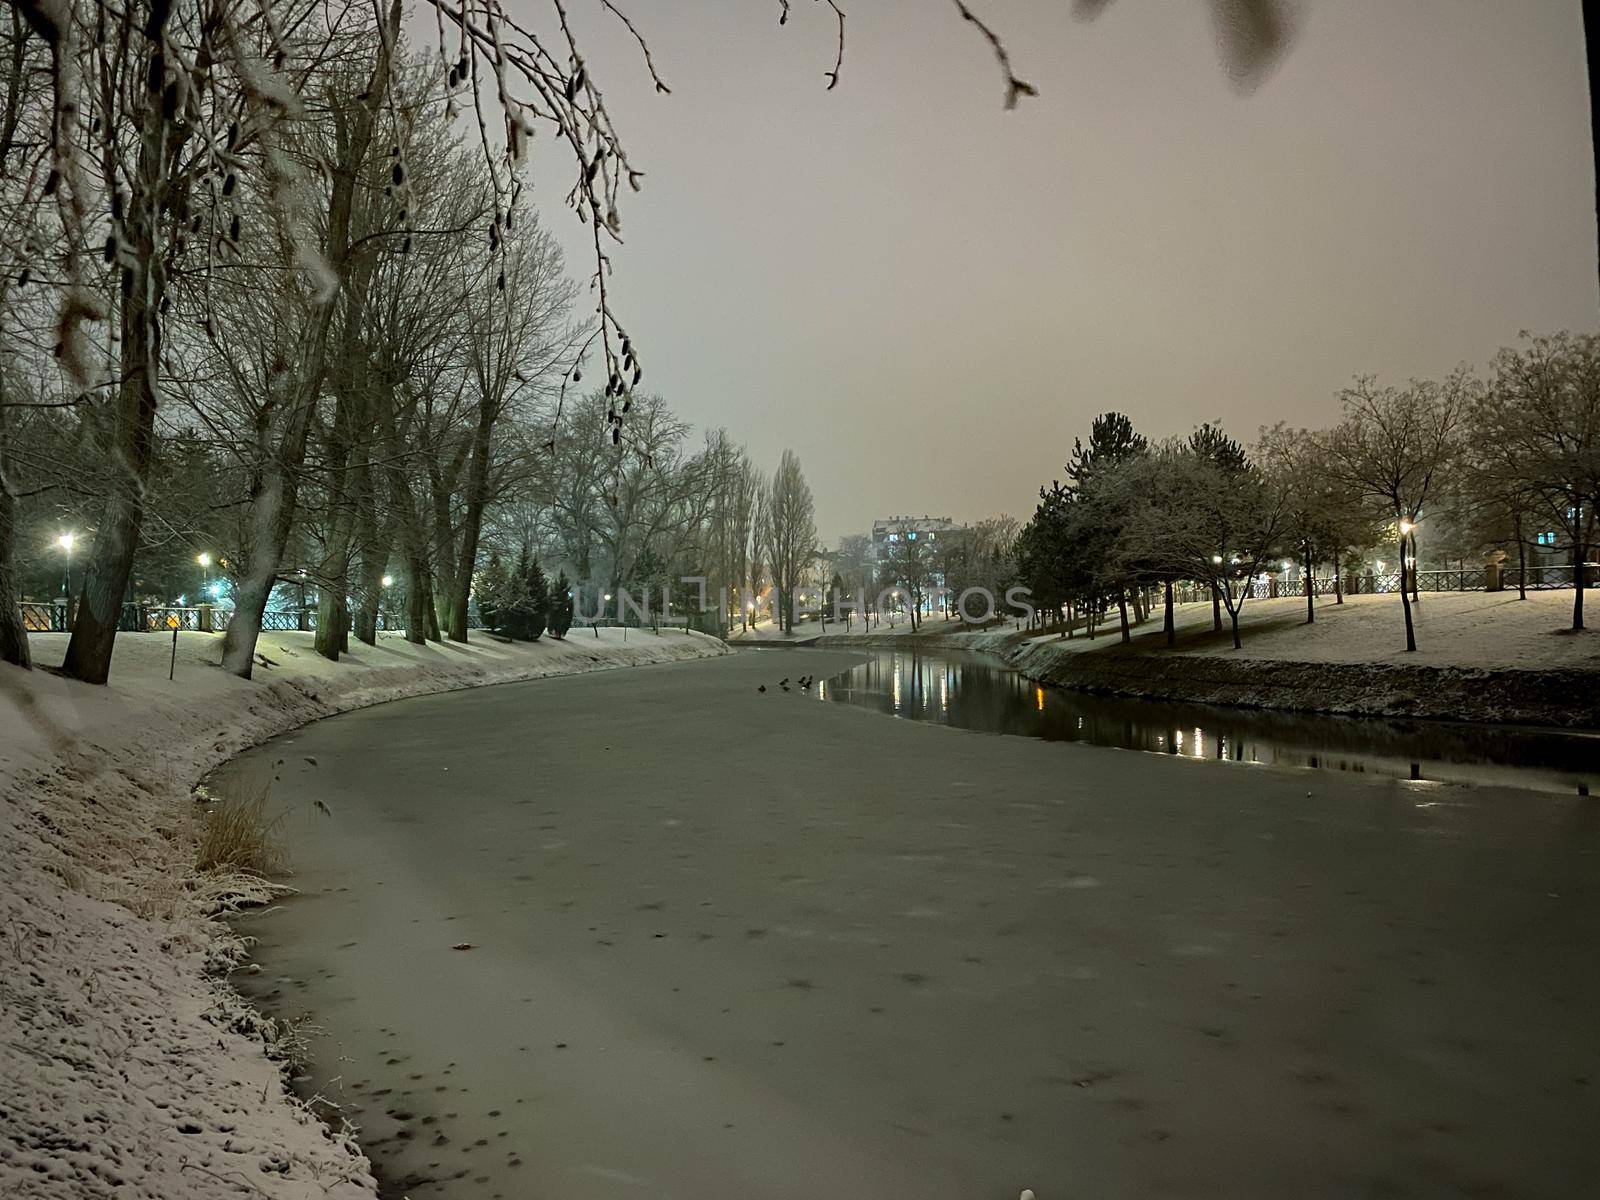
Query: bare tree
{"type": "Point", "coordinates": [1537, 436]}
{"type": "Point", "coordinates": [910, 566]}
{"type": "Point", "coordinates": [790, 535]}
{"type": "Point", "coordinates": [1394, 446]}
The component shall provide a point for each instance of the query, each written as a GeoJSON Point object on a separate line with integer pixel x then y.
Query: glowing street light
{"type": "Point", "coordinates": [66, 542]}
{"type": "Point", "coordinates": [387, 581]}
{"type": "Point", "coordinates": [203, 559]}
{"type": "Point", "coordinates": [1406, 527]}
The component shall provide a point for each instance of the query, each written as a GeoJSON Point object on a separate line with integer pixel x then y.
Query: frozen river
{"type": "Point", "coordinates": [743, 945]}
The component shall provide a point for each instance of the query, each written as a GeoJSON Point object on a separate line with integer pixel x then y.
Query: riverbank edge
{"type": "Point", "coordinates": [138, 1063]}
{"type": "Point", "coordinates": [1563, 698]}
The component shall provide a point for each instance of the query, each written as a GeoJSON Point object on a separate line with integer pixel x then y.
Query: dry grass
{"type": "Point", "coordinates": [237, 835]}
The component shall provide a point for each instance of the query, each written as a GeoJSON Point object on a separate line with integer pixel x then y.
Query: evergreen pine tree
{"type": "Point", "coordinates": [561, 607]}
{"type": "Point", "coordinates": [522, 616]}
{"type": "Point", "coordinates": [493, 590]}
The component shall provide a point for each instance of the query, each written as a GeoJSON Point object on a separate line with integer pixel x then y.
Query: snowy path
{"type": "Point", "coordinates": [738, 946]}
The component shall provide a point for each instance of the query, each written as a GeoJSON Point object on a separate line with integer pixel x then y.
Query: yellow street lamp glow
{"type": "Point", "coordinates": [387, 581]}
{"type": "Point", "coordinates": [1406, 527]}
{"type": "Point", "coordinates": [66, 540]}
{"type": "Point", "coordinates": [203, 559]}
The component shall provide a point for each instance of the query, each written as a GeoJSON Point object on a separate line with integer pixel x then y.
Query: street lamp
{"type": "Point", "coordinates": [66, 542]}
{"type": "Point", "coordinates": [387, 581]}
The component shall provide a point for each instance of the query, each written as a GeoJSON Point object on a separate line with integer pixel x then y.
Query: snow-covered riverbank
{"type": "Point", "coordinates": [1480, 657]}
{"type": "Point", "coordinates": [128, 1070]}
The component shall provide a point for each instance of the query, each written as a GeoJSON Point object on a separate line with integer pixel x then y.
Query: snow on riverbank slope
{"type": "Point", "coordinates": [1489, 630]}
{"type": "Point", "coordinates": [125, 1069]}
{"type": "Point", "coordinates": [1479, 658]}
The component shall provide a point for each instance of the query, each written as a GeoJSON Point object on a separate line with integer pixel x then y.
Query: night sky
{"type": "Point", "coordinates": [927, 296]}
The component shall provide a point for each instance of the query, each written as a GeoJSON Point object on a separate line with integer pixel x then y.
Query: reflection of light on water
{"type": "Point", "coordinates": [992, 698]}
{"type": "Point", "coordinates": [822, 689]}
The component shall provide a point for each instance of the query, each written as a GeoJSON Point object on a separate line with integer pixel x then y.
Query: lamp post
{"type": "Point", "coordinates": [66, 542]}
{"type": "Point", "coordinates": [1408, 549]}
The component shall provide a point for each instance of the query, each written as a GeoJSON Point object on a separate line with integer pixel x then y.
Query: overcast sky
{"type": "Point", "coordinates": [928, 297]}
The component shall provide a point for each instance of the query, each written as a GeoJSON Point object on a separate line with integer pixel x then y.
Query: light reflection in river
{"type": "Point", "coordinates": [971, 692]}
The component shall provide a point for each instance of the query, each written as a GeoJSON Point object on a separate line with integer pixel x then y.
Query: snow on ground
{"type": "Point", "coordinates": [127, 1069]}
{"type": "Point", "coordinates": [1454, 629]}
{"type": "Point", "coordinates": [1492, 630]}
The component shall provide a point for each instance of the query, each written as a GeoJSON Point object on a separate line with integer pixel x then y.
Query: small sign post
{"type": "Point", "coordinates": [172, 624]}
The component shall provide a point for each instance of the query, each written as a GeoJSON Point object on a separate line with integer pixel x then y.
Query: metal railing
{"type": "Point", "coordinates": [54, 616]}
{"type": "Point", "coordinates": [1442, 579]}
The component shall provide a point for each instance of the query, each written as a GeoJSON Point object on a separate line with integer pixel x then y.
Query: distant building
{"type": "Point", "coordinates": [887, 532]}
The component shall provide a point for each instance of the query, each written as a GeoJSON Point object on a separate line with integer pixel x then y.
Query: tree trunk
{"type": "Point", "coordinates": [273, 497]}
{"type": "Point", "coordinates": [1522, 565]}
{"type": "Point", "coordinates": [1405, 598]}
{"type": "Point", "coordinates": [274, 515]}
{"type": "Point", "coordinates": [374, 558]}
{"type": "Point", "coordinates": [432, 610]}
{"type": "Point", "coordinates": [1233, 620]}
{"type": "Point", "coordinates": [1338, 580]}
{"type": "Point", "coordinates": [333, 596]}
{"type": "Point", "coordinates": [1168, 626]}
{"type": "Point", "coordinates": [476, 497]}
{"type": "Point", "coordinates": [144, 287]}
{"type": "Point", "coordinates": [332, 610]}
{"type": "Point", "coordinates": [1577, 582]}
{"type": "Point", "coordinates": [13, 633]}
{"type": "Point", "coordinates": [1122, 609]}
{"type": "Point", "coordinates": [1216, 609]}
